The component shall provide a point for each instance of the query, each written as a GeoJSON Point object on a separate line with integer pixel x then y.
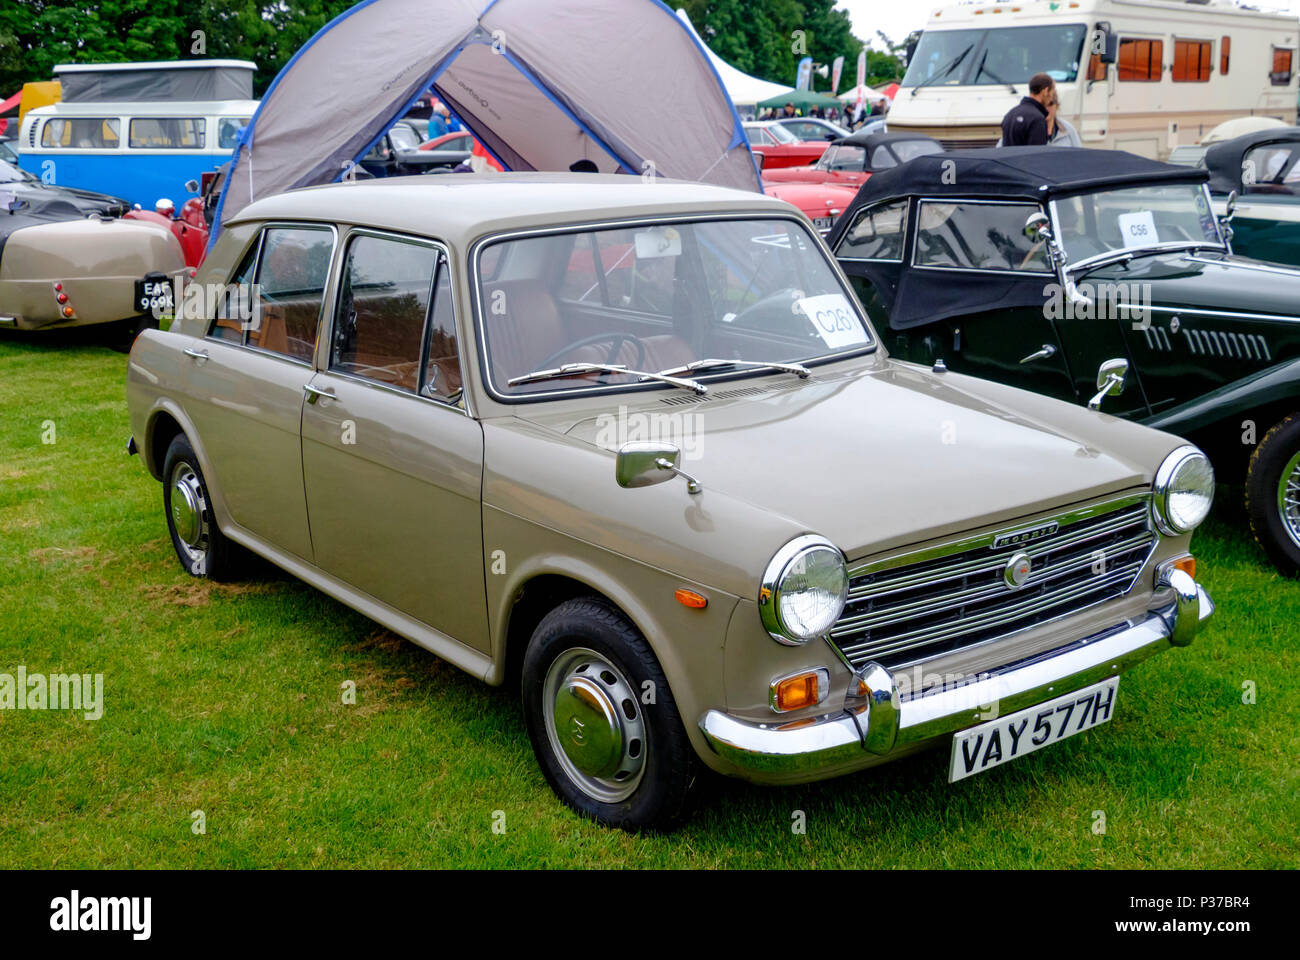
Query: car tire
{"type": "Point", "coordinates": [125, 331]}
{"type": "Point", "coordinates": [1273, 494]}
{"type": "Point", "coordinates": [201, 547]}
{"type": "Point", "coordinates": [607, 752]}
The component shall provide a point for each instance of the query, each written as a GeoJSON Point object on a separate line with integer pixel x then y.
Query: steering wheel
{"type": "Point", "coordinates": [615, 340]}
{"type": "Point", "coordinates": [781, 301]}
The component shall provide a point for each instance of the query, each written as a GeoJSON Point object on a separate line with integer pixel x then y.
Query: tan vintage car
{"type": "Point", "coordinates": [635, 447]}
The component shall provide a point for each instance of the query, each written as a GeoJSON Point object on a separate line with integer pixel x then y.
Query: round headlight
{"type": "Point", "coordinates": [1184, 491]}
{"type": "Point", "coordinates": [804, 589]}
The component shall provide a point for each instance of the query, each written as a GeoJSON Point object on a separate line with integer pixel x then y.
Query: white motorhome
{"type": "Point", "coordinates": [1137, 75]}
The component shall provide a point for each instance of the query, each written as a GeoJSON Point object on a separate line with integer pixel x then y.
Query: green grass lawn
{"type": "Point", "coordinates": [226, 699]}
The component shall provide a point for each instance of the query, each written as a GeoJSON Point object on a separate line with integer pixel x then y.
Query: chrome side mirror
{"type": "Point", "coordinates": [191, 186]}
{"type": "Point", "coordinates": [1112, 377]}
{"type": "Point", "coordinates": [1230, 209]}
{"type": "Point", "coordinates": [643, 464]}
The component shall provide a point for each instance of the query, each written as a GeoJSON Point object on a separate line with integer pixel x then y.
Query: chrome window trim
{"type": "Point", "coordinates": [916, 235]}
{"type": "Point", "coordinates": [862, 568]}
{"type": "Point", "coordinates": [907, 217]}
{"type": "Point", "coordinates": [480, 331]}
{"type": "Point", "coordinates": [442, 248]}
{"type": "Point", "coordinates": [1259, 267]}
{"type": "Point", "coordinates": [326, 298]}
{"type": "Point", "coordinates": [1205, 311]}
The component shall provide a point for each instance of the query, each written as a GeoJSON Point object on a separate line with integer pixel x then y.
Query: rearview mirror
{"type": "Point", "coordinates": [643, 464]}
{"type": "Point", "coordinates": [191, 186]}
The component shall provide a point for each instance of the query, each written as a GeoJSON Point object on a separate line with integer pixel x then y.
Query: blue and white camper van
{"type": "Point", "coordinates": [139, 130]}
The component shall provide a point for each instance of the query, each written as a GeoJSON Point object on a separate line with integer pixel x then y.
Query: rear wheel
{"type": "Point", "coordinates": [1273, 495]}
{"type": "Point", "coordinates": [201, 547]}
{"type": "Point", "coordinates": [602, 720]}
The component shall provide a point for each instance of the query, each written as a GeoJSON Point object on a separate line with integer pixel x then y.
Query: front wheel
{"type": "Point", "coordinates": [1273, 495]}
{"type": "Point", "coordinates": [602, 720]}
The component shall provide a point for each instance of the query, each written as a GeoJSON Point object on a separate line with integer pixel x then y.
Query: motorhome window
{"type": "Point", "coordinates": [1141, 60]}
{"type": "Point", "coordinates": [1006, 55]}
{"type": "Point", "coordinates": [167, 133]}
{"type": "Point", "coordinates": [81, 133]}
{"type": "Point", "coordinates": [1225, 55]}
{"type": "Point", "coordinates": [1191, 61]}
{"type": "Point", "coordinates": [978, 236]}
{"type": "Point", "coordinates": [1281, 75]}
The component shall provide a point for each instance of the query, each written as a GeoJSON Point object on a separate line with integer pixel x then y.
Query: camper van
{"type": "Point", "coordinates": [139, 130]}
{"type": "Point", "coordinates": [1139, 75]}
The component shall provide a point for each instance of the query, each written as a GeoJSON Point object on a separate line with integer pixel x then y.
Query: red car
{"type": "Point", "coordinates": [849, 161]}
{"type": "Point", "coordinates": [820, 202]}
{"type": "Point", "coordinates": [779, 148]}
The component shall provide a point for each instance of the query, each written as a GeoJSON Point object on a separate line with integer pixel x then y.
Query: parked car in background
{"type": "Point", "coordinates": [7, 152]}
{"type": "Point", "coordinates": [397, 154]}
{"type": "Point", "coordinates": [549, 389]}
{"type": "Point", "coordinates": [451, 149]}
{"type": "Point", "coordinates": [813, 128]}
{"type": "Point", "coordinates": [1263, 170]}
{"type": "Point", "coordinates": [1100, 278]}
{"type": "Point", "coordinates": [779, 148]}
{"type": "Point", "coordinates": [68, 259]}
{"type": "Point", "coordinates": [820, 202]}
{"type": "Point", "coordinates": [850, 160]}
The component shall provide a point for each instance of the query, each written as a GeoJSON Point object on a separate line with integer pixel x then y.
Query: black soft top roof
{"type": "Point", "coordinates": [1031, 173]}
{"type": "Point", "coordinates": [871, 140]}
{"type": "Point", "coordinates": [1224, 159]}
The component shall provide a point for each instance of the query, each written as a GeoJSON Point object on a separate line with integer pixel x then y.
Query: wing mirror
{"type": "Point", "coordinates": [1038, 228]}
{"type": "Point", "coordinates": [11, 202]}
{"type": "Point", "coordinates": [1225, 221]}
{"type": "Point", "coordinates": [643, 464]}
{"type": "Point", "coordinates": [1112, 377]}
{"type": "Point", "coordinates": [191, 186]}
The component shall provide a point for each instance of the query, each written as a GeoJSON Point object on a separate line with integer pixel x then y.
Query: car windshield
{"type": "Point", "coordinates": [1005, 55]}
{"type": "Point", "coordinates": [1109, 221]}
{"type": "Point", "coordinates": [404, 137]}
{"type": "Point", "coordinates": [657, 298]}
{"type": "Point", "coordinates": [781, 134]}
{"type": "Point", "coordinates": [11, 174]}
{"type": "Point", "coordinates": [843, 157]}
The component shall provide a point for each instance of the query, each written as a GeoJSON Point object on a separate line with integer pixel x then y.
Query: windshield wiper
{"type": "Point", "coordinates": [996, 78]}
{"type": "Point", "coordinates": [579, 369]}
{"type": "Point", "coordinates": [798, 369]}
{"type": "Point", "coordinates": [1124, 256]}
{"type": "Point", "coordinates": [945, 71]}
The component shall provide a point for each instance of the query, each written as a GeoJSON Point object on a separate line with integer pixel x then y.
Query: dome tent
{"type": "Point", "coordinates": [540, 85]}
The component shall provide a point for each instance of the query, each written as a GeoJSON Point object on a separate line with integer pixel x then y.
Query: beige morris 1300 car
{"type": "Point", "coordinates": [635, 447]}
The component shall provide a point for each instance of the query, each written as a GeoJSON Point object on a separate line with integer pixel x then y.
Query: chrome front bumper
{"type": "Point", "coordinates": [883, 723]}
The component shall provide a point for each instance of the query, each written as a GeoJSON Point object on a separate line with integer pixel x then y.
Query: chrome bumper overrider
{"type": "Point", "coordinates": [882, 722]}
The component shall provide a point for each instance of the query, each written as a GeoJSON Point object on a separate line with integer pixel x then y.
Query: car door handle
{"type": "Point", "coordinates": [1043, 354]}
{"type": "Point", "coordinates": [316, 393]}
{"type": "Point", "coordinates": [196, 354]}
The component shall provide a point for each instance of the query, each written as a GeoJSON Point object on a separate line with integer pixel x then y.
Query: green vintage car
{"type": "Point", "coordinates": [1097, 277]}
{"type": "Point", "coordinates": [1260, 172]}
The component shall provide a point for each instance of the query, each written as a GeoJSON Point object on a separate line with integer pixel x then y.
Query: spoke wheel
{"type": "Point", "coordinates": [1288, 499]}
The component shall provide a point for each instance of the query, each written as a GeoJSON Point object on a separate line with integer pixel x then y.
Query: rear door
{"type": "Point", "coordinates": [247, 379]}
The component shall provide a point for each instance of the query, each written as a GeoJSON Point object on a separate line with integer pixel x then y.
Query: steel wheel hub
{"type": "Point", "coordinates": [1288, 499]}
{"type": "Point", "coordinates": [594, 724]}
{"type": "Point", "coordinates": [187, 509]}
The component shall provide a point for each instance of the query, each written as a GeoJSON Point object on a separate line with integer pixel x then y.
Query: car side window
{"type": "Point", "coordinates": [978, 236]}
{"type": "Point", "coordinates": [878, 233]}
{"type": "Point", "coordinates": [882, 159]}
{"type": "Point", "coordinates": [441, 378]}
{"type": "Point", "coordinates": [235, 308]}
{"type": "Point", "coordinates": [382, 304]}
{"type": "Point", "coordinates": [291, 274]}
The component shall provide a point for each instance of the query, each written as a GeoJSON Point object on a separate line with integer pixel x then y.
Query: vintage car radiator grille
{"type": "Point", "coordinates": [955, 597]}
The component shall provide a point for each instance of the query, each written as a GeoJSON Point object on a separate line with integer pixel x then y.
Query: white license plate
{"type": "Point", "coordinates": [1006, 738]}
{"type": "Point", "coordinates": [824, 223]}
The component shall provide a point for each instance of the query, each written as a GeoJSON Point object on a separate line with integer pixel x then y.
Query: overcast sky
{"type": "Point", "coordinates": [898, 18]}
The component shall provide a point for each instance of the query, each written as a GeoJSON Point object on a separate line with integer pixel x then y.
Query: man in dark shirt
{"type": "Point", "coordinates": [1025, 124]}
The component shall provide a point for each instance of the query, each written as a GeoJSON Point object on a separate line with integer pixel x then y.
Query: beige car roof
{"type": "Point", "coordinates": [460, 207]}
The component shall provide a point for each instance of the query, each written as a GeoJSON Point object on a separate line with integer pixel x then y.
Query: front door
{"type": "Point", "coordinates": [392, 463]}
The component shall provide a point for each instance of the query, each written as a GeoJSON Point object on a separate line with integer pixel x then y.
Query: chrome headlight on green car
{"type": "Point", "coordinates": [804, 590]}
{"type": "Point", "coordinates": [1183, 491]}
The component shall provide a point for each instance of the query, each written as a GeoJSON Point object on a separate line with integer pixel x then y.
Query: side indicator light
{"type": "Point", "coordinates": [1187, 565]}
{"type": "Point", "coordinates": [689, 598]}
{"type": "Point", "coordinates": [794, 693]}
{"type": "Point", "coordinates": [69, 312]}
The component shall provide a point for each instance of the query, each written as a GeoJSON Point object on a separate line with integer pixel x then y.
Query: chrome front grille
{"type": "Point", "coordinates": [947, 598]}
